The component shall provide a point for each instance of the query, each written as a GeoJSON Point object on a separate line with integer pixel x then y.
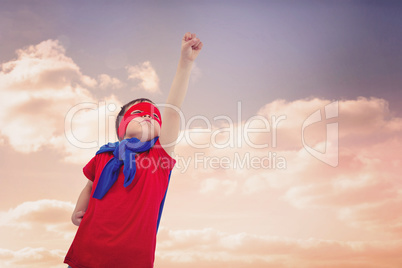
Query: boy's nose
{"type": "Point", "coordinates": [147, 115]}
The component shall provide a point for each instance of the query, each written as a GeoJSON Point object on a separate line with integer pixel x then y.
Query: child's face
{"type": "Point", "coordinates": [144, 127]}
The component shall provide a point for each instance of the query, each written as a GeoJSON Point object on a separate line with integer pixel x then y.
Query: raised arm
{"type": "Point", "coordinates": [190, 48]}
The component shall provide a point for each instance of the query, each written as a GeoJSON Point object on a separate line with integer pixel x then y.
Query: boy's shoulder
{"type": "Point", "coordinates": [99, 158]}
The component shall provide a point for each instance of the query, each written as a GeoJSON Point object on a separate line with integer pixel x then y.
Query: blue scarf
{"type": "Point", "coordinates": [124, 154]}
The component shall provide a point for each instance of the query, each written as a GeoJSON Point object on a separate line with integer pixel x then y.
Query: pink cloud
{"type": "Point", "coordinates": [36, 220]}
{"type": "Point", "coordinates": [40, 89]}
{"type": "Point", "coordinates": [42, 84]}
{"type": "Point", "coordinates": [31, 257]}
{"type": "Point", "coordinates": [367, 174]}
{"type": "Point", "coordinates": [197, 247]}
{"type": "Point", "coordinates": [108, 82]}
{"type": "Point", "coordinates": [211, 248]}
{"type": "Point", "coordinates": [149, 80]}
{"type": "Point", "coordinates": [377, 217]}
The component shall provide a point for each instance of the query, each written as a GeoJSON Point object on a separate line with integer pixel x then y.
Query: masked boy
{"type": "Point", "coordinates": [119, 210]}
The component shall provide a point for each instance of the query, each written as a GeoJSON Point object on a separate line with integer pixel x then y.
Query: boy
{"type": "Point", "coordinates": [118, 211]}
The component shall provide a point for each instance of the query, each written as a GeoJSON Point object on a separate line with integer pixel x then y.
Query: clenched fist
{"type": "Point", "coordinates": [190, 47]}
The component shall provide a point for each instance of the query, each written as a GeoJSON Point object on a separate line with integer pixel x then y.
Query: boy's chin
{"type": "Point", "coordinates": [146, 139]}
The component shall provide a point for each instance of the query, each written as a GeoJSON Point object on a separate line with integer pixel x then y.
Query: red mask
{"type": "Point", "coordinates": [145, 108]}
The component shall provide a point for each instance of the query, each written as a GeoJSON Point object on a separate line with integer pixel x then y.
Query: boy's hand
{"type": "Point", "coordinates": [190, 47]}
{"type": "Point", "coordinates": [77, 217]}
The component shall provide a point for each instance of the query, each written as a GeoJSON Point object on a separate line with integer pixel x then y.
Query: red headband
{"type": "Point", "coordinates": [145, 108]}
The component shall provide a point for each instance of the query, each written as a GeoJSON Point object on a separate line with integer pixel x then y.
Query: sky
{"type": "Point", "coordinates": [289, 152]}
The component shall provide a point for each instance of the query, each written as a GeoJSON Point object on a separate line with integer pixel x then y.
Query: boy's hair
{"type": "Point", "coordinates": [124, 109]}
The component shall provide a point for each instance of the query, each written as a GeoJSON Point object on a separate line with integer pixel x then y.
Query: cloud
{"type": "Point", "coordinates": [212, 248]}
{"type": "Point", "coordinates": [343, 191]}
{"type": "Point", "coordinates": [375, 216]}
{"type": "Point", "coordinates": [107, 82]}
{"type": "Point", "coordinates": [212, 184]}
{"type": "Point", "coordinates": [196, 73]}
{"type": "Point", "coordinates": [40, 67]}
{"type": "Point", "coordinates": [46, 104]}
{"type": "Point", "coordinates": [206, 247]}
{"type": "Point", "coordinates": [365, 182]}
{"type": "Point", "coordinates": [367, 178]}
{"type": "Point", "coordinates": [45, 222]}
{"type": "Point", "coordinates": [364, 120]}
{"type": "Point", "coordinates": [41, 211]}
{"type": "Point", "coordinates": [42, 88]}
{"type": "Point", "coordinates": [42, 218]}
{"type": "Point", "coordinates": [149, 80]}
{"type": "Point", "coordinates": [32, 257]}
